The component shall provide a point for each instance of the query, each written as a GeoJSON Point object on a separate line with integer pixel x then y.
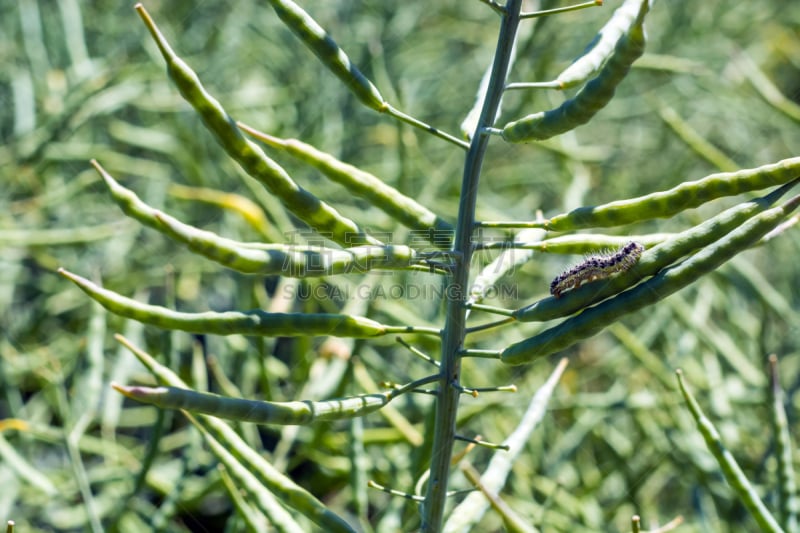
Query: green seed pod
{"type": "Point", "coordinates": [578, 243]}
{"type": "Point", "coordinates": [257, 258]}
{"type": "Point", "coordinates": [593, 243]}
{"type": "Point", "coordinates": [326, 49]}
{"type": "Point", "coordinates": [307, 207]}
{"type": "Point", "coordinates": [685, 196]}
{"type": "Point", "coordinates": [734, 475]}
{"type": "Point", "coordinates": [402, 208]}
{"type": "Point", "coordinates": [652, 261]}
{"type": "Point", "coordinates": [287, 260]}
{"type": "Point", "coordinates": [239, 457]}
{"type": "Point", "coordinates": [127, 200]}
{"type": "Point", "coordinates": [602, 46]}
{"type": "Point", "coordinates": [590, 99]}
{"type": "Point", "coordinates": [255, 411]}
{"type": "Point", "coordinates": [593, 320]}
{"type": "Point", "coordinates": [254, 322]}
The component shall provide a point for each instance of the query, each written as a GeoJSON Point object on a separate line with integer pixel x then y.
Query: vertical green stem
{"type": "Point", "coordinates": [457, 290]}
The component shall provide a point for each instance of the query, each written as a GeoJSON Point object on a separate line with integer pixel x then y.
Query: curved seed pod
{"type": "Point", "coordinates": [296, 261]}
{"type": "Point", "coordinates": [402, 208]}
{"type": "Point", "coordinates": [127, 200]}
{"type": "Point", "coordinates": [579, 243]}
{"type": "Point", "coordinates": [784, 450]}
{"type": "Point", "coordinates": [256, 258]}
{"type": "Point", "coordinates": [590, 99]}
{"type": "Point", "coordinates": [59, 236]}
{"type": "Point", "coordinates": [257, 412]}
{"type": "Point", "coordinates": [594, 319]}
{"type": "Point", "coordinates": [227, 445]}
{"type": "Point", "coordinates": [733, 473]}
{"type": "Point", "coordinates": [231, 444]}
{"type": "Point", "coordinates": [241, 483]}
{"type": "Point", "coordinates": [307, 207]}
{"type": "Point", "coordinates": [254, 322]}
{"type": "Point", "coordinates": [333, 57]}
{"type": "Point", "coordinates": [325, 48]}
{"type": "Point", "coordinates": [652, 260]}
{"type": "Point", "coordinates": [685, 196]}
{"type": "Point", "coordinates": [602, 46]}
{"type": "Point", "coordinates": [583, 243]}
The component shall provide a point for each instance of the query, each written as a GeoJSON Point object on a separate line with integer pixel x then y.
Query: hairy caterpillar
{"type": "Point", "coordinates": [597, 267]}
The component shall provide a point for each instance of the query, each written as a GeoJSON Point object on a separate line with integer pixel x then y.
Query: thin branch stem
{"type": "Point", "coordinates": [490, 325]}
{"type": "Point", "coordinates": [491, 309]}
{"type": "Point", "coordinates": [476, 442]}
{"type": "Point", "coordinates": [477, 390]}
{"type": "Point", "coordinates": [420, 330]}
{"type": "Point", "coordinates": [416, 351]}
{"type": "Point", "coordinates": [412, 386]}
{"type": "Point", "coordinates": [483, 354]}
{"type": "Point", "coordinates": [399, 115]}
{"type": "Point", "coordinates": [503, 224]}
{"type": "Point", "coordinates": [556, 11]}
{"type": "Point", "coordinates": [373, 485]}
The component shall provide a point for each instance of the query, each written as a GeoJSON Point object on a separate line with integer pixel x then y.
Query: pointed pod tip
{"type": "Point", "coordinates": [69, 275]}
{"type": "Point", "coordinates": [103, 173]}
{"type": "Point", "coordinates": [66, 273]}
{"type": "Point", "coordinates": [261, 136]}
{"type": "Point", "coordinates": [161, 42]}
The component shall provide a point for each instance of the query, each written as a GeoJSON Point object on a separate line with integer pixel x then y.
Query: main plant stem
{"type": "Point", "coordinates": [458, 285]}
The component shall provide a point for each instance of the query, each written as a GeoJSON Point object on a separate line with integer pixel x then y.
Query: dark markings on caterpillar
{"type": "Point", "coordinates": [597, 267]}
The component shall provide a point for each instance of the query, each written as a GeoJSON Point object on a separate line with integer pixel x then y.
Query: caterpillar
{"type": "Point", "coordinates": [590, 99]}
{"type": "Point", "coordinates": [597, 267]}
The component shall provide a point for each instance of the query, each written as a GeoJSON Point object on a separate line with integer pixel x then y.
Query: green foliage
{"type": "Point", "coordinates": [350, 226]}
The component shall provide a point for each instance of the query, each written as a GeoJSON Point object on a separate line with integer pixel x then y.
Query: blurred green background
{"type": "Point", "coordinates": [83, 80]}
